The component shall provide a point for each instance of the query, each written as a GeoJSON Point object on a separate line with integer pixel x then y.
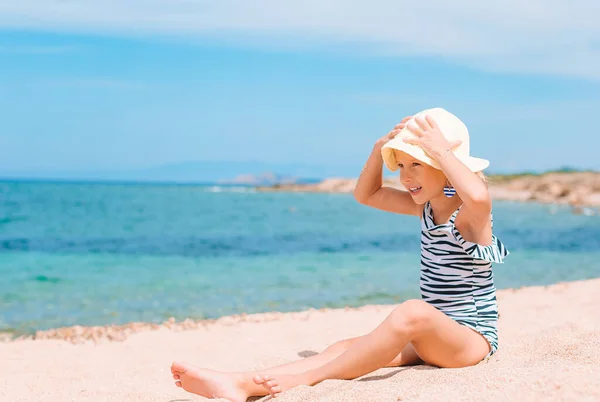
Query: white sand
{"type": "Point", "coordinates": [549, 350]}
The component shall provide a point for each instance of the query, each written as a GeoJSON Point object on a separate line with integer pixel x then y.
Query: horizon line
{"type": "Point", "coordinates": [228, 183]}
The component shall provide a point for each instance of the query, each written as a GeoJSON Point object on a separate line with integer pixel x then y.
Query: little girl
{"type": "Point", "coordinates": [454, 322]}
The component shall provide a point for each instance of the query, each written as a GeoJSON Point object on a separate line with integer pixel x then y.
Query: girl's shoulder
{"type": "Point", "coordinates": [495, 251]}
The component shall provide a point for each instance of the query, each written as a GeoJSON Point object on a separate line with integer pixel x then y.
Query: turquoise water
{"type": "Point", "coordinates": [95, 254]}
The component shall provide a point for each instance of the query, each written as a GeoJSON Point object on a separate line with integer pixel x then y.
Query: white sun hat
{"type": "Point", "coordinates": [451, 127]}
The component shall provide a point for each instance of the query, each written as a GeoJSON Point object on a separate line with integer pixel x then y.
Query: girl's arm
{"type": "Point", "coordinates": [472, 190]}
{"type": "Point", "coordinates": [477, 203]}
{"type": "Point", "coordinates": [369, 189]}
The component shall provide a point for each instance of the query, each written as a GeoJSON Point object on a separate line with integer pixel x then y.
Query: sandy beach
{"type": "Point", "coordinates": [549, 350]}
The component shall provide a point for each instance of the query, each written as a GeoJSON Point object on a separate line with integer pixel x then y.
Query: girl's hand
{"type": "Point", "coordinates": [397, 128]}
{"type": "Point", "coordinates": [430, 137]}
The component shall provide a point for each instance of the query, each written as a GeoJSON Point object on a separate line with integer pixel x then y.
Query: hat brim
{"type": "Point", "coordinates": [389, 157]}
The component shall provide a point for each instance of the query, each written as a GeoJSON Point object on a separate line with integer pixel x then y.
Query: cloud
{"type": "Point", "coordinates": [95, 83]}
{"type": "Point", "coordinates": [535, 36]}
{"type": "Point", "coordinates": [41, 49]}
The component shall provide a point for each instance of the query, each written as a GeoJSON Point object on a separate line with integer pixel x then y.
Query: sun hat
{"type": "Point", "coordinates": [451, 127]}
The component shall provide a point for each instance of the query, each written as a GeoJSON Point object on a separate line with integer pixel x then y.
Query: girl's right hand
{"type": "Point", "coordinates": [397, 128]}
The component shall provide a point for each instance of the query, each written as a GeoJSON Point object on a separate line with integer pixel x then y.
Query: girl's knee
{"type": "Point", "coordinates": [411, 317]}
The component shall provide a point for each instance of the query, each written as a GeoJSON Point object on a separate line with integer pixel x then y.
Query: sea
{"type": "Point", "coordinates": [112, 253]}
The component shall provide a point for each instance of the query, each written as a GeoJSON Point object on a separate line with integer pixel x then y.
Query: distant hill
{"type": "Point", "coordinates": [268, 179]}
{"type": "Point", "coordinates": [235, 172]}
{"type": "Point", "coordinates": [242, 172]}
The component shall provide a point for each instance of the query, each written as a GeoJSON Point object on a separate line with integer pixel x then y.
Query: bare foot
{"type": "Point", "coordinates": [276, 386]}
{"type": "Point", "coordinates": [208, 383]}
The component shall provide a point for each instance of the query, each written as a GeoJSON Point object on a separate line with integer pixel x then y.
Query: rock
{"type": "Point", "coordinates": [556, 190]}
{"type": "Point", "coordinates": [593, 198]}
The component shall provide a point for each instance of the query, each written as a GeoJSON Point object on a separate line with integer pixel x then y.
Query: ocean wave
{"type": "Point", "coordinates": [229, 189]}
{"type": "Point", "coordinates": [12, 219]}
{"type": "Point", "coordinates": [582, 239]}
{"type": "Point", "coordinates": [195, 246]}
{"type": "Point", "coordinates": [46, 279]}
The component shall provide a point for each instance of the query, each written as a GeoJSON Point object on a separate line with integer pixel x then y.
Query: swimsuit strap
{"type": "Point", "coordinates": [428, 213]}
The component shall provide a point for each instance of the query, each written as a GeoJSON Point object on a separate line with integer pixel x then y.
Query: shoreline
{"type": "Point", "coordinates": [579, 190]}
{"type": "Point", "coordinates": [79, 334]}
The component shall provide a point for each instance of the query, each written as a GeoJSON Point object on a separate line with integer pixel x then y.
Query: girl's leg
{"type": "Point", "coordinates": [240, 386]}
{"type": "Point", "coordinates": [406, 357]}
{"type": "Point", "coordinates": [437, 339]}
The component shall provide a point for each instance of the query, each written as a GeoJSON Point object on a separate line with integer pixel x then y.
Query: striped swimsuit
{"type": "Point", "coordinates": [456, 275]}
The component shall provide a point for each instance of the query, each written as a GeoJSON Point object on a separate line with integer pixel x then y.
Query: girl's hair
{"type": "Point", "coordinates": [482, 176]}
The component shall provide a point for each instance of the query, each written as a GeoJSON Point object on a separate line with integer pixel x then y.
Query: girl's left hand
{"type": "Point", "coordinates": [430, 137]}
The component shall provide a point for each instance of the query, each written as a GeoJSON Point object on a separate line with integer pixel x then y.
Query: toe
{"type": "Point", "coordinates": [176, 376]}
{"type": "Point", "coordinates": [271, 383]}
{"type": "Point", "coordinates": [276, 390]}
{"type": "Point", "coordinates": [179, 368]}
{"type": "Point", "coordinates": [178, 384]}
{"type": "Point", "coordinates": [259, 380]}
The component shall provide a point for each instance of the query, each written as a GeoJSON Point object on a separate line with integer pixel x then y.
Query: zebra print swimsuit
{"type": "Point", "coordinates": [456, 275]}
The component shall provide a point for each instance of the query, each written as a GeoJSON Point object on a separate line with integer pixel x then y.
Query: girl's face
{"type": "Point", "coordinates": [422, 181]}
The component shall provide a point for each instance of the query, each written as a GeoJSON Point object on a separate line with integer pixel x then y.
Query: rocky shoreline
{"type": "Point", "coordinates": [79, 334]}
{"type": "Point", "coordinates": [579, 189]}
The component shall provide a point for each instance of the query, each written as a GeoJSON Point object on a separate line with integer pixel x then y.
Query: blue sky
{"type": "Point", "coordinates": [125, 85]}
